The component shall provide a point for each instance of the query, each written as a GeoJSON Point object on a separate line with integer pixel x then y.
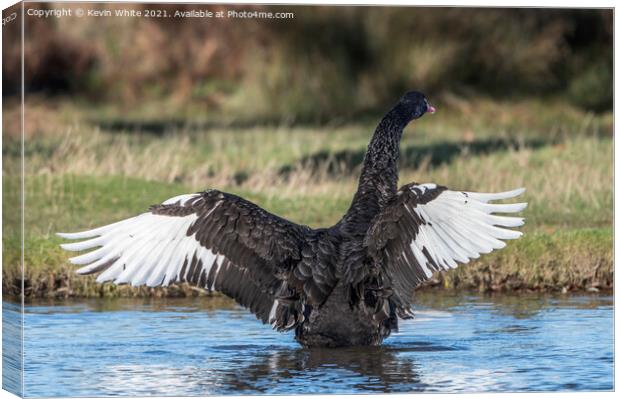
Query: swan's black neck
{"type": "Point", "coordinates": [379, 178]}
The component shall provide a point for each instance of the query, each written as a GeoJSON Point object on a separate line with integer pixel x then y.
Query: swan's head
{"type": "Point", "coordinates": [413, 105]}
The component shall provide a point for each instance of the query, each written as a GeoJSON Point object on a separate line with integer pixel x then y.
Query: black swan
{"type": "Point", "coordinates": [339, 286]}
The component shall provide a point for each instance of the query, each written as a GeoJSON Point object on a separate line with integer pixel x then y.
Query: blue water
{"type": "Point", "coordinates": [11, 349]}
{"type": "Point", "coordinates": [457, 343]}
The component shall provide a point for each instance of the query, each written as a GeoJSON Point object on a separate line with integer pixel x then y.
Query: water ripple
{"type": "Point", "coordinates": [187, 347]}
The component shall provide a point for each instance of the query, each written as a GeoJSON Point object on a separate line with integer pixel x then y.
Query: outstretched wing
{"type": "Point", "coordinates": [212, 239]}
{"type": "Point", "coordinates": [427, 228]}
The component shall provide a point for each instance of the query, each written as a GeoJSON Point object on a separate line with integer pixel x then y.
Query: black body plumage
{"type": "Point", "coordinates": [340, 286]}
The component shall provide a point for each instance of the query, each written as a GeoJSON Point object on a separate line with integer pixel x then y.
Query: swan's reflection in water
{"type": "Point", "coordinates": [274, 371]}
{"type": "Point", "coordinates": [342, 370]}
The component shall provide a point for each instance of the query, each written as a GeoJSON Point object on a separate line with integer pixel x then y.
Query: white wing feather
{"type": "Point", "coordinates": [461, 226]}
{"type": "Point", "coordinates": [147, 249]}
{"type": "Point", "coordinates": [150, 249]}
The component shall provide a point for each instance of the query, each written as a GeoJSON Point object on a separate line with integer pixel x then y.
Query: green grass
{"type": "Point", "coordinates": [570, 259]}
{"type": "Point", "coordinates": [79, 176]}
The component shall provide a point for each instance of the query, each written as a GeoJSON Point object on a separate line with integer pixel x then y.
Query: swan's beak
{"type": "Point", "coordinates": [430, 109]}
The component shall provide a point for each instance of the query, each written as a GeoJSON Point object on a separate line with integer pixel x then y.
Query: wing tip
{"type": "Point", "coordinates": [78, 235]}
{"type": "Point", "coordinates": [515, 234]}
{"type": "Point", "coordinates": [486, 197]}
{"type": "Point", "coordinates": [82, 271]}
{"type": "Point", "coordinates": [65, 246]}
{"type": "Point", "coordinates": [73, 261]}
{"type": "Point", "coordinates": [522, 206]}
{"type": "Point", "coordinates": [72, 247]}
{"type": "Point", "coordinates": [512, 193]}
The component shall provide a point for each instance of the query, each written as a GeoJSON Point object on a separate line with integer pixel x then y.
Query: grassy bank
{"type": "Point", "coordinates": [563, 261]}
{"type": "Point", "coordinates": [80, 174]}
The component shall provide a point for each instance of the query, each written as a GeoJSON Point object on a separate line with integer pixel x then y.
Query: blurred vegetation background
{"type": "Point", "coordinates": [122, 113]}
{"type": "Point", "coordinates": [326, 63]}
